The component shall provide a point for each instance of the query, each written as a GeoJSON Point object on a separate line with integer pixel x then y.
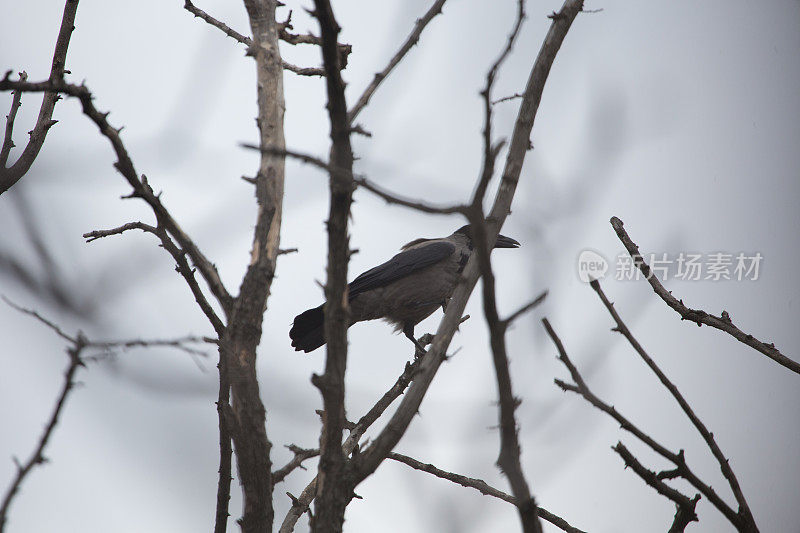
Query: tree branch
{"type": "Point", "coordinates": [8, 141]}
{"type": "Point", "coordinates": [677, 459]}
{"type": "Point", "coordinates": [744, 509]}
{"type": "Point", "coordinates": [227, 30]}
{"type": "Point", "coordinates": [177, 343]}
{"type": "Point", "coordinates": [182, 265]}
{"type": "Point", "coordinates": [525, 308]}
{"type": "Point", "coordinates": [722, 323]}
{"type": "Point", "coordinates": [300, 455]}
{"type": "Point", "coordinates": [685, 512]}
{"type": "Point", "coordinates": [409, 43]}
{"type": "Point", "coordinates": [342, 50]}
{"type": "Point", "coordinates": [303, 71]}
{"type": "Point", "coordinates": [243, 334]}
{"type": "Point", "coordinates": [99, 234]}
{"type": "Point", "coordinates": [334, 488]}
{"type": "Point", "coordinates": [301, 504]}
{"type": "Point", "coordinates": [10, 176]}
{"type": "Point", "coordinates": [37, 457]}
{"type": "Point", "coordinates": [238, 37]}
{"type": "Point", "coordinates": [362, 181]}
{"type": "Point", "coordinates": [78, 343]}
{"type": "Point", "coordinates": [481, 486]}
{"type": "Point", "coordinates": [509, 458]}
{"type": "Point", "coordinates": [141, 187]}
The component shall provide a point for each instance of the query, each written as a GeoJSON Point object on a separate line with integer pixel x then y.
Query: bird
{"type": "Point", "coordinates": [404, 290]}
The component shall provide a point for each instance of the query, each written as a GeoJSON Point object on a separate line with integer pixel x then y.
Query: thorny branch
{"type": "Point", "coordinates": [301, 504]}
{"type": "Point", "coordinates": [362, 181]}
{"type": "Point", "coordinates": [8, 141]}
{"type": "Point", "coordinates": [334, 485]}
{"type": "Point", "coordinates": [177, 343]}
{"type": "Point", "coordinates": [744, 509]}
{"type": "Point", "coordinates": [342, 50]}
{"type": "Point", "coordinates": [10, 176]}
{"type": "Point", "coordinates": [182, 265]}
{"type": "Point", "coordinates": [682, 468]}
{"type": "Point", "coordinates": [37, 457]}
{"type": "Point", "coordinates": [300, 455]}
{"type": "Point", "coordinates": [700, 317]}
{"type": "Point", "coordinates": [78, 343]}
{"type": "Point", "coordinates": [141, 187]}
{"type": "Point", "coordinates": [247, 421]}
{"type": "Point", "coordinates": [227, 30]}
{"type": "Point", "coordinates": [510, 97]}
{"type": "Point", "coordinates": [233, 34]}
{"type": "Point", "coordinates": [409, 43]}
{"type": "Point", "coordinates": [481, 486]}
{"type": "Point", "coordinates": [685, 506]}
{"type": "Point", "coordinates": [509, 458]}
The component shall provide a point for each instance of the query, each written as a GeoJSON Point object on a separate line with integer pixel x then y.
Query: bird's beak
{"type": "Point", "coordinates": [506, 242]}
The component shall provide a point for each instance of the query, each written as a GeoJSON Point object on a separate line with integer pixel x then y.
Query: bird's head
{"type": "Point", "coordinates": [501, 242]}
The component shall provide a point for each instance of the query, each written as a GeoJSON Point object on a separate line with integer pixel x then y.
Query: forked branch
{"type": "Point", "coordinates": [698, 316]}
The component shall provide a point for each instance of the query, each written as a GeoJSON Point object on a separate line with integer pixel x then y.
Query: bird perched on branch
{"type": "Point", "coordinates": [404, 290]}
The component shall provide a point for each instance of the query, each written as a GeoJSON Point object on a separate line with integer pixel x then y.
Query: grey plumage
{"type": "Point", "coordinates": [404, 290]}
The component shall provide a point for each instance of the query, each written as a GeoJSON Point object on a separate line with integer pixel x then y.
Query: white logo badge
{"type": "Point", "coordinates": [591, 265]}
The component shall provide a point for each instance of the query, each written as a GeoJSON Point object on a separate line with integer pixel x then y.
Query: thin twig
{"type": "Point", "coordinates": [37, 457]}
{"type": "Point", "coordinates": [178, 343]}
{"type": "Point", "coordinates": [227, 30]}
{"type": "Point", "coordinates": [417, 205]}
{"type": "Point", "coordinates": [525, 308]}
{"type": "Point", "coordinates": [409, 43]}
{"type": "Point", "coordinates": [343, 50]}
{"type": "Point", "coordinates": [8, 141]}
{"type": "Point", "coordinates": [182, 265]}
{"type": "Point", "coordinates": [41, 319]}
{"type": "Point", "coordinates": [708, 437]}
{"type": "Point", "coordinates": [685, 512]}
{"type": "Point", "coordinates": [141, 187]}
{"type": "Point", "coordinates": [99, 234]}
{"type": "Point", "coordinates": [10, 176]}
{"type": "Point", "coordinates": [481, 486]}
{"type": "Point", "coordinates": [490, 149]}
{"type": "Point", "coordinates": [300, 455]}
{"type": "Point", "coordinates": [362, 181]}
{"type": "Point", "coordinates": [226, 425]}
{"type": "Point", "coordinates": [722, 323]}
{"type": "Point", "coordinates": [509, 457]}
{"type": "Point", "coordinates": [233, 34]}
{"type": "Point", "coordinates": [78, 343]}
{"type": "Point", "coordinates": [511, 97]}
{"type": "Point", "coordinates": [678, 459]}
{"type": "Point", "coordinates": [303, 71]}
{"type": "Point", "coordinates": [301, 503]}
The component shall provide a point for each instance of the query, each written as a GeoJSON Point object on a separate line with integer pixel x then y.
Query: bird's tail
{"type": "Point", "coordinates": [308, 330]}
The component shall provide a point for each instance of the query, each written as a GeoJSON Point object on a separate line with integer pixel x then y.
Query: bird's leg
{"type": "Point", "coordinates": [444, 306]}
{"type": "Point", "coordinates": [408, 331]}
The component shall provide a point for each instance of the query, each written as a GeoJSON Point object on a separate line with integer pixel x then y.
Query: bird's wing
{"type": "Point", "coordinates": [401, 266]}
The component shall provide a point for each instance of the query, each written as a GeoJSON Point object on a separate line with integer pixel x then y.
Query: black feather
{"type": "Point", "coordinates": [308, 330]}
{"type": "Point", "coordinates": [401, 266]}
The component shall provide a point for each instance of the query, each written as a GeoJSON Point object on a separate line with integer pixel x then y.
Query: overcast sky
{"type": "Point", "coordinates": [681, 118]}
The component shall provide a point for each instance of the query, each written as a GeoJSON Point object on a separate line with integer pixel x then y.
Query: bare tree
{"type": "Point", "coordinates": [237, 317]}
